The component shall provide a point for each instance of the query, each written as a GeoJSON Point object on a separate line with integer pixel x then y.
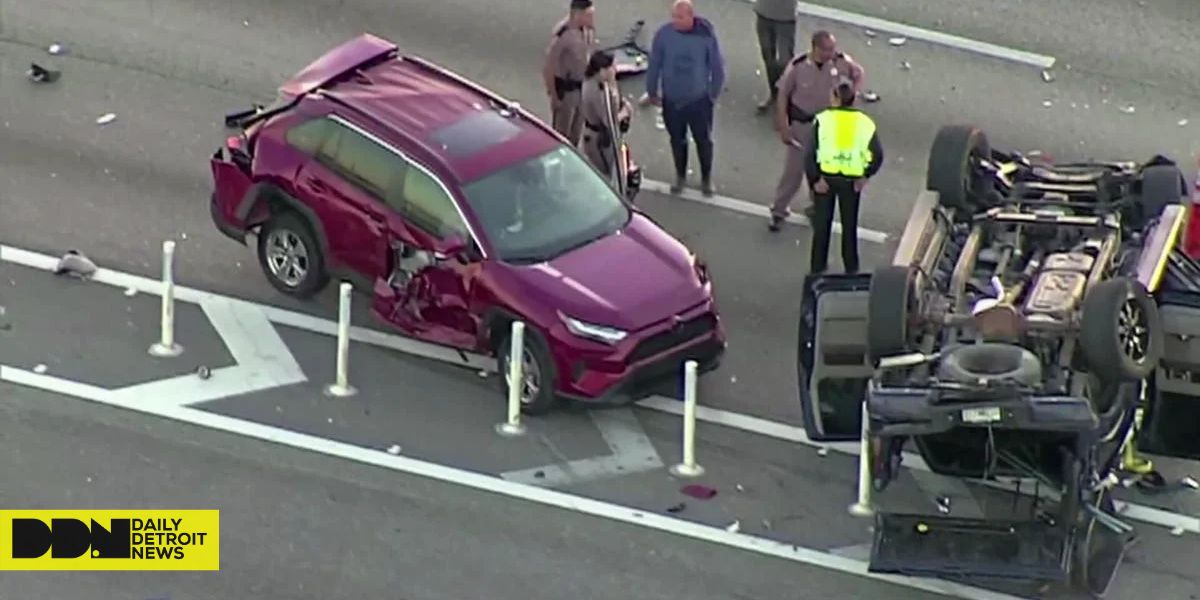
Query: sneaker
{"type": "Point", "coordinates": [706, 188]}
{"type": "Point", "coordinates": [775, 223]}
{"type": "Point", "coordinates": [677, 187]}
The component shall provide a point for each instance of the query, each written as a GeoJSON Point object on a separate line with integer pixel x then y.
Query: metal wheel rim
{"type": "Point", "coordinates": [1133, 331]}
{"type": "Point", "coordinates": [287, 257]}
{"type": "Point", "coordinates": [531, 376]}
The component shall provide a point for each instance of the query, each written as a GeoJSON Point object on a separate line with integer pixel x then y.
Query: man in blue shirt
{"type": "Point", "coordinates": [685, 77]}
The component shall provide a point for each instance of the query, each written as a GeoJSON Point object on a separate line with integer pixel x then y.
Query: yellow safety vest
{"type": "Point", "coordinates": [844, 142]}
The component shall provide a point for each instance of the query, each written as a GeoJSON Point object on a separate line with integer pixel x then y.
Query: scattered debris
{"type": "Point", "coordinates": [740, 488]}
{"type": "Point", "coordinates": [1129, 109]}
{"type": "Point", "coordinates": [943, 504]}
{"type": "Point", "coordinates": [1189, 482]}
{"type": "Point", "coordinates": [75, 264]}
{"type": "Point", "coordinates": [39, 74]}
{"type": "Point", "coordinates": [905, 65]}
{"type": "Point", "coordinates": [897, 41]}
{"type": "Point", "coordinates": [870, 96]}
{"type": "Point", "coordinates": [89, 479]}
{"type": "Point", "coordinates": [677, 508]}
{"type": "Point", "coordinates": [539, 474]}
{"type": "Point", "coordinates": [869, 33]}
{"type": "Point", "coordinates": [869, 43]}
{"type": "Point", "coordinates": [105, 119]}
{"type": "Point", "coordinates": [822, 451]}
{"type": "Point", "coordinates": [203, 372]}
{"type": "Point", "coordinates": [245, 23]}
{"type": "Point", "coordinates": [1178, 531]}
{"type": "Point", "coordinates": [39, 369]}
{"type": "Point", "coordinates": [483, 373]}
{"type": "Point", "coordinates": [130, 292]}
{"type": "Point", "coordinates": [330, 420]}
{"type": "Point", "coordinates": [1182, 122]}
{"type": "Point", "coordinates": [733, 379]}
{"type": "Point", "coordinates": [183, 236]}
{"type": "Point", "coordinates": [1047, 103]}
{"type": "Point", "coordinates": [734, 527]}
{"type": "Point", "coordinates": [702, 492]}
{"type": "Point", "coordinates": [393, 449]}
{"type": "Point", "coordinates": [56, 49]}
{"type": "Point", "coordinates": [1047, 76]}
{"type": "Point", "coordinates": [766, 523]}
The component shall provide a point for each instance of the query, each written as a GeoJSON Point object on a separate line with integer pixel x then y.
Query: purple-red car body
{"type": "Point", "coordinates": [462, 213]}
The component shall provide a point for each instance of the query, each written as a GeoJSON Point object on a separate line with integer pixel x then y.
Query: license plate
{"type": "Point", "coordinates": [990, 414]}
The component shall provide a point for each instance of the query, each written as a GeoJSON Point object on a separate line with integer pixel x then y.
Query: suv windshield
{"type": "Point", "coordinates": [546, 206]}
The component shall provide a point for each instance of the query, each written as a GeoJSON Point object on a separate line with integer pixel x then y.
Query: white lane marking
{"type": "Point", "coordinates": [54, 384]}
{"type": "Point", "coordinates": [632, 452]}
{"type": "Point", "coordinates": [934, 37]}
{"type": "Point", "coordinates": [855, 552]}
{"type": "Point", "coordinates": [751, 208]}
{"type": "Point", "coordinates": [1147, 514]}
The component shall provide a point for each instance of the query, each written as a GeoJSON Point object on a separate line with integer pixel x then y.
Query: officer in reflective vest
{"type": "Point", "coordinates": [845, 153]}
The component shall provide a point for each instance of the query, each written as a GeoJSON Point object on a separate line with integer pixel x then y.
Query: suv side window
{"type": "Point", "coordinates": [366, 163]}
{"type": "Point", "coordinates": [428, 206]}
{"type": "Point", "coordinates": [308, 136]}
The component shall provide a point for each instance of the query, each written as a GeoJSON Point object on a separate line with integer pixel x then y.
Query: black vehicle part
{"type": "Point", "coordinates": [299, 248]}
{"type": "Point", "coordinates": [950, 171]}
{"type": "Point", "coordinates": [890, 304]}
{"type": "Point", "coordinates": [539, 372]}
{"type": "Point", "coordinates": [1162, 185]}
{"type": "Point", "coordinates": [990, 362]}
{"type": "Point", "coordinates": [1121, 334]}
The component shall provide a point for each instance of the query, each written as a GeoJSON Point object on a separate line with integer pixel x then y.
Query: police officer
{"type": "Point", "coordinates": [566, 59]}
{"type": "Point", "coordinates": [844, 154]}
{"type": "Point", "coordinates": [805, 89]}
{"type": "Point", "coordinates": [603, 109]}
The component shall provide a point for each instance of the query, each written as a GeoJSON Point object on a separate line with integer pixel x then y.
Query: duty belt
{"type": "Point", "coordinates": [796, 114]}
{"type": "Point", "coordinates": [594, 127]}
{"type": "Point", "coordinates": [563, 85]}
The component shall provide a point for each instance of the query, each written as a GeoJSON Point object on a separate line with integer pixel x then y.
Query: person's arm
{"type": "Point", "coordinates": [716, 66]}
{"type": "Point", "coordinates": [876, 157]}
{"type": "Point", "coordinates": [654, 69]}
{"type": "Point", "coordinates": [811, 169]}
{"type": "Point", "coordinates": [857, 74]}
{"type": "Point", "coordinates": [553, 52]}
{"type": "Point", "coordinates": [785, 86]}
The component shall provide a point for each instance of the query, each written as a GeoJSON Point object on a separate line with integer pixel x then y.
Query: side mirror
{"type": "Point", "coordinates": [452, 247]}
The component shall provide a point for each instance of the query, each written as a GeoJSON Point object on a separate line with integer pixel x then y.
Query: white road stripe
{"type": "Point", "coordinates": [934, 37]}
{"type": "Point", "coordinates": [784, 431]}
{"type": "Point", "coordinates": [751, 208]}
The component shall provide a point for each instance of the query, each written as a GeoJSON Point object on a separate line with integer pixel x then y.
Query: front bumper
{"type": "Point", "coordinates": [597, 374]}
{"type": "Point", "coordinates": [904, 411]}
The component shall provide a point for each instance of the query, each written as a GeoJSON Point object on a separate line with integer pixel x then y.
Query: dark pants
{"type": "Point", "coordinates": [696, 116]}
{"type": "Point", "coordinates": [841, 191]}
{"type": "Point", "coordinates": [777, 41]}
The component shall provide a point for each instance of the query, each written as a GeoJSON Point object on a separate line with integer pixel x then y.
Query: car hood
{"type": "Point", "coordinates": [627, 280]}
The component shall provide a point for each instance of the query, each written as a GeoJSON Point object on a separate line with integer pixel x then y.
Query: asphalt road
{"type": "Point", "coordinates": [171, 70]}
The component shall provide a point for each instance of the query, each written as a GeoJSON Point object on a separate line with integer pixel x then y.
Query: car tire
{"type": "Point", "coordinates": [537, 354]}
{"type": "Point", "coordinates": [987, 362]}
{"type": "Point", "coordinates": [949, 171]}
{"type": "Point", "coordinates": [890, 303]}
{"type": "Point", "coordinates": [287, 232]}
{"type": "Point", "coordinates": [1161, 186]}
{"type": "Point", "coordinates": [1121, 334]}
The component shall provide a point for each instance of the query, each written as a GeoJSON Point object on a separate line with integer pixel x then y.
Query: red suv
{"type": "Point", "coordinates": [462, 213]}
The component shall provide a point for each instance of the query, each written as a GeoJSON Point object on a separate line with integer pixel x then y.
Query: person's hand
{"type": "Point", "coordinates": [786, 136]}
{"type": "Point", "coordinates": [859, 184]}
{"type": "Point", "coordinates": [821, 186]}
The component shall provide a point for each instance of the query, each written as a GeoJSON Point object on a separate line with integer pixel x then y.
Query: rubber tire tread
{"type": "Point", "coordinates": [949, 160]}
{"type": "Point", "coordinates": [1099, 337]}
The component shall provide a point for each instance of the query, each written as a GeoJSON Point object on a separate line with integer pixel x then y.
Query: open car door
{"type": "Point", "coordinates": [833, 367]}
{"type": "Point", "coordinates": [1171, 421]}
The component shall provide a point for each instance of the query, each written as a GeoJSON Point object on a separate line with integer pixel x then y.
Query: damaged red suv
{"type": "Point", "coordinates": [462, 213]}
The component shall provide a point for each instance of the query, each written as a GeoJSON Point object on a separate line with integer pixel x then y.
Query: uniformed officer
{"type": "Point", "coordinates": [805, 89]}
{"type": "Point", "coordinates": [845, 153]}
{"type": "Point", "coordinates": [603, 109]}
{"type": "Point", "coordinates": [566, 59]}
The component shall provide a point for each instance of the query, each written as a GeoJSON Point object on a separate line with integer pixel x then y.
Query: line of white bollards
{"type": "Point", "coordinates": [341, 387]}
{"type": "Point", "coordinates": [689, 468]}
{"type": "Point", "coordinates": [863, 506]}
{"type": "Point", "coordinates": [516, 383]}
{"type": "Point", "coordinates": [166, 346]}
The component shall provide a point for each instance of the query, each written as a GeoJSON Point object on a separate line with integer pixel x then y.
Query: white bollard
{"type": "Point", "coordinates": [166, 347]}
{"type": "Point", "coordinates": [341, 388]}
{"type": "Point", "coordinates": [864, 506]}
{"type": "Point", "coordinates": [516, 383]}
{"type": "Point", "coordinates": [689, 468]}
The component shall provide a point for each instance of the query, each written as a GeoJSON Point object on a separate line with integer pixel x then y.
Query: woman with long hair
{"type": "Point", "coordinates": [605, 114]}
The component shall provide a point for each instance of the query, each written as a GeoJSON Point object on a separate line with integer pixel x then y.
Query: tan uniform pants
{"type": "Point", "coordinates": [567, 119]}
{"type": "Point", "coordinates": [793, 170]}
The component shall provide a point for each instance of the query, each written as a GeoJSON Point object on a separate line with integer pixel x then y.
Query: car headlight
{"type": "Point", "coordinates": [602, 333]}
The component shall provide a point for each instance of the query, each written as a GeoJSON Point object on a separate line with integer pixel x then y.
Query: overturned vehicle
{"type": "Point", "coordinates": [1039, 322]}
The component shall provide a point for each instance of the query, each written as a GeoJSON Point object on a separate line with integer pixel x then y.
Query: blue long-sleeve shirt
{"type": "Point", "coordinates": [685, 65]}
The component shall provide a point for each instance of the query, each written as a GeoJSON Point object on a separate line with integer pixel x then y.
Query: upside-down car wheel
{"type": "Point", "coordinates": [890, 304]}
{"type": "Point", "coordinates": [950, 171]}
{"type": "Point", "coordinates": [1121, 334]}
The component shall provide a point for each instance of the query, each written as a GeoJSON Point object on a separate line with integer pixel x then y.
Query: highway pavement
{"type": "Point", "coordinates": [171, 70]}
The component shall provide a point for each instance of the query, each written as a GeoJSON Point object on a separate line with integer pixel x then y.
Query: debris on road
{"type": "Point", "coordinates": [733, 379]}
{"type": "Point", "coordinates": [539, 474]}
{"type": "Point", "coordinates": [203, 372]}
{"type": "Point", "coordinates": [740, 488]}
{"type": "Point", "coordinates": [1182, 122]}
{"type": "Point", "coordinates": [1047, 76]}
{"type": "Point", "coordinates": [393, 449]}
{"type": "Point", "coordinates": [734, 527]}
{"type": "Point", "coordinates": [1129, 109]}
{"type": "Point", "coordinates": [1047, 103]}
{"type": "Point", "coordinates": [39, 369]}
{"type": "Point", "coordinates": [702, 492]}
{"type": "Point", "coordinates": [483, 373]}
{"type": "Point", "coordinates": [130, 292]}
{"type": "Point", "coordinates": [75, 264]}
{"type": "Point", "coordinates": [329, 420]}
{"type": "Point", "coordinates": [869, 33]}
{"type": "Point", "coordinates": [56, 49]}
{"type": "Point", "coordinates": [897, 41]}
{"type": "Point", "coordinates": [766, 523]}
{"type": "Point", "coordinates": [1178, 531]}
{"type": "Point", "coordinates": [943, 504]}
{"type": "Point", "coordinates": [870, 96]}
{"type": "Point", "coordinates": [822, 451]}
{"type": "Point", "coordinates": [39, 74]}
{"type": "Point", "coordinates": [906, 66]}
{"type": "Point", "coordinates": [105, 119]}
{"type": "Point", "coordinates": [677, 508]}
{"type": "Point", "coordinates": [1189, 482]}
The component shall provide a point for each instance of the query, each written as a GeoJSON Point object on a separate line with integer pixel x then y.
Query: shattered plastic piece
{"type": "Point", "coordinates": [905, 65]}
{"type": "Point", "coordinates": [393, 449]}
{"type": "Point", "coordinates": [130, 292]}
{"type": "Point", "coordinates": [734, 527]}
{"type": "Point", "coordinates": [1047, 76]}
{"type": "Point", "coordinates": [483, 374]}
{"type": "Point", "coordinates": [943, 504]}
{"type": "Point", "coordinates": [766, 523]}
{"type": "Point", "coordinates": [106, 119]}
{"type": "Point", "coordinates": [1189, 482]}
{"type": "Point", "coordinates": [1129, 110]}
{"type": "Point", "coordinates": [330, 420]}
{"type": "Point", "coordinates": [203, 372]}
{"type": "Point", "coordinates": [1182, 122]}
{"type": "Point", "coordinates": [89, 479]}
{"type": "Point", "coordinates": [39, 74]}
{"type": "Point", "coordinates": [822, 451]}
{"type": "Point", "coordinates": [897, 41]}
{"type": "Point", "coordinates": [870, 96]}
{"type": "Point", "coordinates": [733, 379]}
{"type": "Point", "coordinates": [75, 264]}
{"type": "Point", "coordinates": [1047, 103]}
{"type": "Point", "coordinates": [869, 33]}
{"type": "Point", "coordinates": [55, 49]}
{"type": "Point", "coordinates": [869, 43]}
{"type": "Point", "coordinates": [39, 369]}
{"type": "Point", "coordinates": [1178, 531]}
{"type": "Point", "coordinates": [740, 488]}
{"type": "Point", "coordinates": [677, 508]}
{"type": "Point", "coordinates": [695, 490]}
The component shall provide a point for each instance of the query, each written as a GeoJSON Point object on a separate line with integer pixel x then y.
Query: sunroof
{"type": "Point", "coordinates": [475, 133]}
